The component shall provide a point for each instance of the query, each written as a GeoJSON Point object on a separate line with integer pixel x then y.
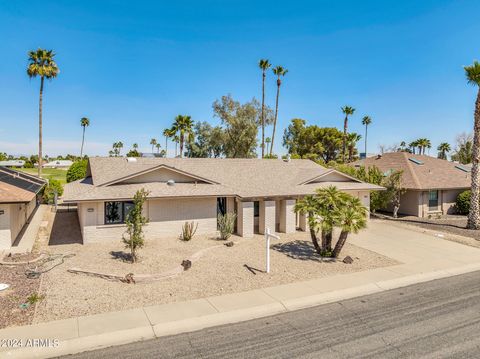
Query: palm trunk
{"type": "Point", "coordinates": [83, 141]}
{"type": "Point", "coordinates": [176, 144]}
{"type": "Point", "coordinates": [324, 241]}
{"type": "Point", "coordinates": [474, 213]}
{"type": "Point", "coordinates": [263, 114]}
{"type": "Point", "coordinates": [166, 146]}
{"type": "Point", "coordinates": [344, 146]}
{"type": "Point", "coordinates": [340, 243]}
{"type": "Point", "coordinates": [276, 114]}
{"type": "Point", "coordinates": [328, 242]}
{"type": "Point", "coordinates": [366, 133]}
{"type": "Point", "coordinates": [181, 146]}
{"type": "Point", "coordinates": [313, 235]}
{"type": "Point", "coordinates": [40, 130]}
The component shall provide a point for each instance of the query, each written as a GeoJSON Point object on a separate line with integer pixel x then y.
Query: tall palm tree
{"type": "Point", "coordinates": [443, 149]}
{"type": "Point", "coordinates": [167, 133]}
{"type": "Point", "coordinates": [84, 122]}
{"type": "Point", "coordinates": [267, 141]}
{"type": "Point", "coordinates": [41, 63]}
{"type": "Point", "coordinates": [413, 145]}
{"type": "Point", "coordinates": [183, 125]}
{"type": "Point", "coordinates": [352, 139]}
{"type": "Point", "coordinates": [264, 66]}
{"type": "Point", "coordinates": [351, 218]}
{"type": "Point", "coordinates": [347, 110]}
{"type": "Point", "coordinates": [176, 139]}
{"type": "Point", "coordinates": [473, 77]}
{"type": "Point", "coordinates": [366, 121]}
{"type": "Point", "coordinates": [153, 142]}
{"type": "Point", "coordinates": [279, 71]}
{"type": "Point", "coordinates": [158, 146]}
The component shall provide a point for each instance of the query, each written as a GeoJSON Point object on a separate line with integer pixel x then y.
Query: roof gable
{"type": "Point", "coordinates": [330, 176]}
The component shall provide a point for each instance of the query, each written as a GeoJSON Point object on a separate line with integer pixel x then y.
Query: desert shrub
{"type": "Point", "coordinates": [133, 238]}
{"type": "Point", "coordinates": [77, 170]}
{"type": "Point", "coordinates": [226, 225]}
{"type": "Point", "coordinates": [462, 204]}
{"type": "Point", "coordinates": [49, 191]}
{"type": "Point", "coordinates": [188, 231]}
{"type": "Point", "coordinates": [34, 298]}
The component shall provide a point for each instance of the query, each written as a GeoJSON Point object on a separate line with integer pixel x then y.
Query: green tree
{"type": "Point", "coordinates": [463, 149]}
{"type": "Point", "coordinates": [268, 140]}
{"type": "Point", "coordinates": [443, 149]}
{"type": "Point", "coordinates": [153, 142]}
{"type": "Point", "coordinates": [347, 111]}
{"type": "Point", "coordinates": [84, 122]}
{"type": "Point", "coordinates": [168, 134]}
{"type": "Point", "coordinates": [183, 126]}
{"type": "Point", "coordinates": [352, 139]}
{"type": "Point", "coordinates": [472, 73]}
{"type": "Point", "coordinates": [41, 63]}
{"type": "Point", "coordinates": [133, 237]}
{"type": "Point", "coordinates": [53, 186]}
{"type": "Point", "coordinates": [366, 121]}
{"type": "Point", "coordinates": [264, 65]}
{"type": "Point", "coordinates": [279, 71]}
{"type": "Point", "coordinates": [208, 141]}
{"type": "Point", "coordinates": [77, 171]}
{"type": "Point", "coordinates": [393, 184]}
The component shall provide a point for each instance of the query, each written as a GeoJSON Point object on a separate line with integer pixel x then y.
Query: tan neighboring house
{"type": "Point", "coordinates": [261, 192]}
{"type": "Point", "coordinates": [18, 200]}
{"type": "Point", "coordinates": [432, 184]}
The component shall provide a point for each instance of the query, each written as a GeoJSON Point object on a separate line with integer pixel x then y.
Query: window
{"type": "Point", "coordinates": [116, 212]}
{"type": "Point", "coordinates": [433, 200]}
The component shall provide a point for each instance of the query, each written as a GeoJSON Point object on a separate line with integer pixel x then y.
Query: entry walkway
{"type": "Point", "coordinates": [424, 257]}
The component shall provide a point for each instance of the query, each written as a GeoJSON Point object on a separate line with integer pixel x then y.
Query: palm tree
{"type": "Point", "coordinates": [351, 218]}
{"type": "Point", "coordinates": [42, 64]}
{"type": "Point", "coordinates": [183, 125]}
{"type": "Point", "coordinates": [267, 141]}
{"type": "Point", "coordinates": [135, 146]}
{"type": "Point", "coordinates": [443, 148]}
{"type": "Point", "coordinates": [413, 145]}
{"type": "Point", "coordinates": [308, 206]}
{"type": "Point", "coordinates": [352, 139]}
{"type": "Point", "coordinates": [366, 121]}
{"type": "Point", "coordinates": [84, 122]}
{"type": "Point", "coordinates": [158, 146]}
{"type": "Point", "coordinates": [347, 110]}
{"type": "Point", "coordinates": [264, 66]}
{"type": "Point", "coordinates": [167, 133]}
{"type": "Point", "coordinates": [279, 71]}
{"type": "Point", "coordinates": [473, 77]}
{"type": "Point", "coordinates": [153, 142]}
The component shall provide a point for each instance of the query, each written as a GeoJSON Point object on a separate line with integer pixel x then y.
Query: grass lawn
{"type": "Point", "coordinates": [50, 173]}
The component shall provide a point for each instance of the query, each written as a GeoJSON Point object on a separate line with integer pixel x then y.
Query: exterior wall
{"type": "Point", "coordinates": [245, 219]}
{"type": "Point", "coordinates": [410, 203]}
{"type": "Point", "coordinates": [5, 234]}
{"type": "Point", "coordinates": [267, 216]}
{"type": "Point", "coordinates": [166, 218]}
{"type": "Point", "coordinates": [13, 220]}
{"type": "Point", "coordinates": [287, 216]}
{"type": "Point", "coordinates": [449, 198]}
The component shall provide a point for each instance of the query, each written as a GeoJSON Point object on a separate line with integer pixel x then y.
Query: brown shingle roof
{"type": "Point", "coordinates": [17, 186]}
{"type": "Point", "coordinates": [421, 172]}
{"type": "Point", "coordinates": [226, 177]}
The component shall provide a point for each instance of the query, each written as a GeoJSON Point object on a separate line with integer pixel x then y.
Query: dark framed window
{"type": "Point", "coordinates": [256, 209]}
{"type": "Point", "coordinates": [116, 212]}
{"type": "Point", "coordinates": [433, 199]}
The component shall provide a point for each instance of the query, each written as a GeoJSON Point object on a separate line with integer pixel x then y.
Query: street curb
{"type": "Point", "coordinates": [100, 341]}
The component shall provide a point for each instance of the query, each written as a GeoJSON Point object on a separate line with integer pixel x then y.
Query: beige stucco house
{"type": "Point", "coordinates": [18, 200]}
{"type": "Point", "coordinates": [261, 192]}
{"type": "Point", "coordinates": [432, 184]}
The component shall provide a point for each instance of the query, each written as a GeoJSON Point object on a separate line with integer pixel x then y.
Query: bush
{"type": "Point", "coordinates": [463, 202]}
{"type": "Point", "coordinates": [188, 231]}
{"type": "Point", "coordinates": [226, 225]}
{"type": "Point", "coordinates": [49, 191]}
{"type": "Point", "coordinates": [77, 170]}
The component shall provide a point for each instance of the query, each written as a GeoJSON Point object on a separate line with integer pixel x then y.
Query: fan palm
{"type": "Point", "coordinates": [351, 218]}
{"type": "Point", "coordinates": [279, 71]}
{"type": "Point", "coordinates": [443, 149]}
{"type": "Point", "coordinates": [473, 77]}
{"type": "Point", "coordinates": [135, 146]}
{"type": "Point", "coordinates": [366, 121]}
{"type": "Point", "coordinates": [264, 65]}
{"type": "Point", "coordinates": [158, 146]}
{"type": "Point", "coordinates": [42, 64]}
{"type": "Point", "coordinates": [84, 122]}
{"type": "Point", "coordinates": [348, 111]}
{"type": "Point", "coordinates": [167, 133]}
{"type": "Point", "coordinates": [183, 125]}
{"type": "Point", "coordinates": [308, 206]}
{"type": "Point", "coordinates": [153, 142]}
{"type": "Point", "coordinates": [352, 139]}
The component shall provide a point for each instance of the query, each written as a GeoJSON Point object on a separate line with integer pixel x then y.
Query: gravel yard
{"type": "Point", "coordinates": [219, 270]}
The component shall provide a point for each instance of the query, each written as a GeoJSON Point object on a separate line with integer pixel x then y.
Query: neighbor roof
{"type": "Point", "coordinates": [246, 178]}
{"type": "Point", "coordinates": [16, 186]}
{"type": "Point", "coordinates": [421, 172]}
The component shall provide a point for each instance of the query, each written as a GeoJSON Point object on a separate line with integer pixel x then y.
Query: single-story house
{"type": "Point", "coordinates": [58, 164]}
{"type": "Point", "coordinates": [12, 163]}
{"type": "Point", "coordinates": [18, 200]}
{"type": "Point", "coordinates": [432, 184]}
{"type": "Point", "coordinates": [262, 193]}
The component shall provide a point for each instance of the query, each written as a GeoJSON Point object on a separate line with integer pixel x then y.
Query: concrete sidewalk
{"type": "Point", "coordinates": [424, 258]}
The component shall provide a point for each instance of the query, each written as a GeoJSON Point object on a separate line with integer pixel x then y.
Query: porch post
{"type": "Point", "coordinates": [245, 219]}
{"type": "Point", "coordinates": [287, 216]}
{"type": "Point", "coordinates": [266, 218]}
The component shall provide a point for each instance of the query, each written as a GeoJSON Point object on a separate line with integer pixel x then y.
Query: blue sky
{"type": "Point", "coordinates": [132, 66]}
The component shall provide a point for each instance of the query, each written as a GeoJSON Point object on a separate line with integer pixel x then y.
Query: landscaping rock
{"type": "Point", "coordinates": [229, 244]}
{"type": "Point", "coordinates": [348, 260]}
{"type": "Point", "coordinates": [186, 264]}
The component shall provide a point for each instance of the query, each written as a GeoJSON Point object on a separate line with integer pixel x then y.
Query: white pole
{"type": "Point", "coordinates": [267, 241]}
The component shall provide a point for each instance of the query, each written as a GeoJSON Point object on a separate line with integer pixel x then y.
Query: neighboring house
{"type": "Point", "coordinates": [12, 163]}
{"type": "Point", "coordinates": [18, 200]}
{"type": "Point", "coordinates": [58, 164]}
{"type": "Point", "coordinates": [432, 184]}
{"type": "Point", "coordinates": [261, 192]}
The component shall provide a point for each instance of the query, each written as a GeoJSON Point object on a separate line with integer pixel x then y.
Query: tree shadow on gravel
{"type": "Point", "coordinates": [302, 250]}
{"type": "Point", "coordinates": [121, 255]}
